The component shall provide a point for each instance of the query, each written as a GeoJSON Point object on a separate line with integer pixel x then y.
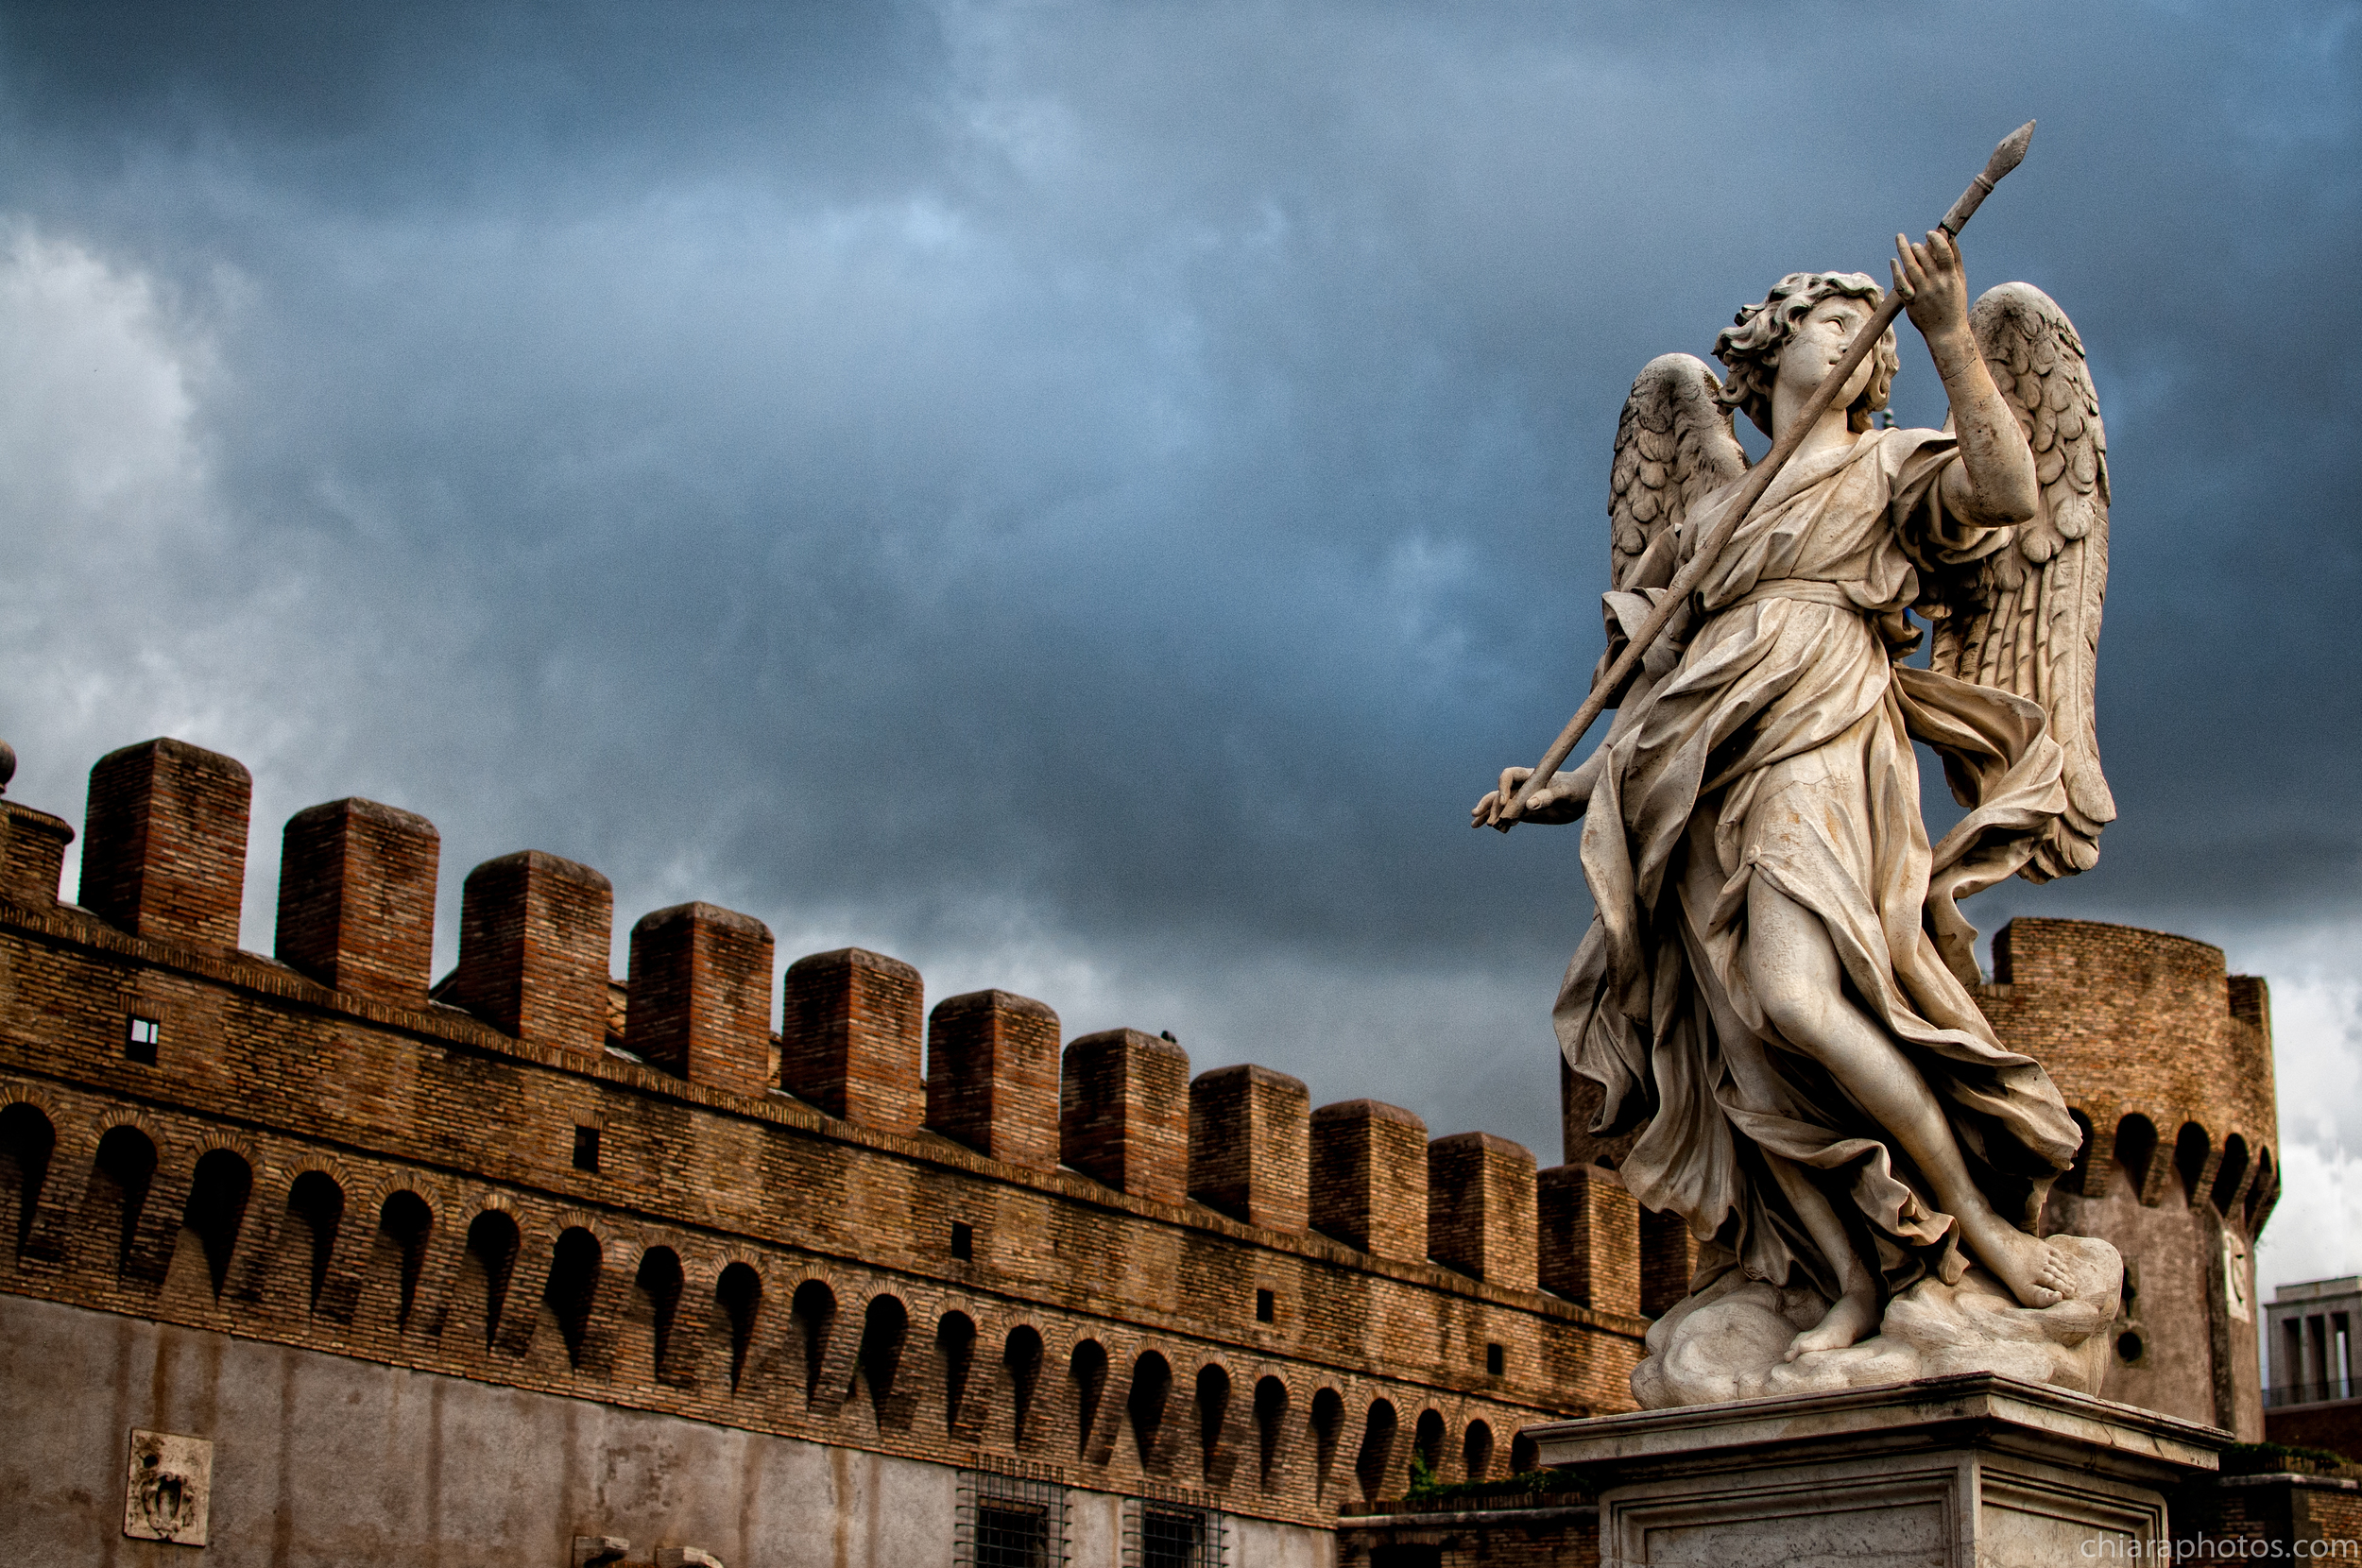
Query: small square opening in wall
{"type": "Point", "coordinates": [1495, 1360]}
{"type": "Point", "coordinates": [1158, 1534]}
{"type": "Point", "coordinates": [1266, 1306]}
{"type": "Point", "coordinates": [962, 1241]}
{"type": "Point", "coordinates": [586, 1149]}
{"type": "Point", "coordinates": [139, 1044]}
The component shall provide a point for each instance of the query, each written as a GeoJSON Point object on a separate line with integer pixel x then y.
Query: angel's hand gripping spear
{"type": "Point", "coordinates": [1758, 480]}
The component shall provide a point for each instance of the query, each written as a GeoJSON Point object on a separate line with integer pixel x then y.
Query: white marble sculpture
{"type": "Point", "coordinates": [1776, 986]}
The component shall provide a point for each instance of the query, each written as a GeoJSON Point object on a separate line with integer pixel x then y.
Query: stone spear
{"type": "Point", "coordinates": [2006, 157]}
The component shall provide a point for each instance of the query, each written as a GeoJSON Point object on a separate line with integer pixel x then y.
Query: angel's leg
{"type": "Point", "coordinates": [1855, 1312]}
{"type": "Point", "coordinates": [1793, 968]}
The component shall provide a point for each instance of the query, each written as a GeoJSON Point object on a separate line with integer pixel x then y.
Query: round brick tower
{"type": "Point", "coordinates": [2166, 1060]}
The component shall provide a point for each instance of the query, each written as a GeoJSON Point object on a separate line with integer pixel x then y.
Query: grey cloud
{"type": "Point", "coordinates": [1116, 481]}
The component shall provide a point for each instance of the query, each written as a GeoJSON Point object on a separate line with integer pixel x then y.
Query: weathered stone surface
{"type": "Point", "coordinates": [1731, 1340]}
{"type": "Point", "coordinates": [1777, 975]}
{"type": "Point", "coordinates": [1967, 1471]}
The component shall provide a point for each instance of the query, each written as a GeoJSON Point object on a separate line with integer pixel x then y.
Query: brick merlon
{"type": "Point", "coordinates": [710, 914]}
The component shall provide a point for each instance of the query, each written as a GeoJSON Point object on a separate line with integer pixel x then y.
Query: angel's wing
{"type": "Point", "coordinates": [1673, 446]}
{"type": "Point", "coordinates": [2027, 620]}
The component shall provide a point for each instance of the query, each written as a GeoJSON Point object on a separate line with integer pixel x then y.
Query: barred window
{"type": "Point", "coordinates": [1009, 1521]}
{"type": "Point", "coordinates": [1158, 1534]}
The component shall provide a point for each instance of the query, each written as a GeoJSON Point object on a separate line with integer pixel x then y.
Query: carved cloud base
{"type": "Point", "coordinates": [1975, 1472]}
{"type": "Point", "coordinates": [1728, 1342]}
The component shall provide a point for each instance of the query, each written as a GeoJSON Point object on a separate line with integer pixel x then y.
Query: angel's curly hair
{"type": "Point", "coordinates": [1751, 345]}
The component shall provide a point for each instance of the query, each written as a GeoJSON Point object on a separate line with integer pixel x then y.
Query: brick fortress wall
{"type": "Point", "coordinates": [2166, 1060]}
{"type": "Point", "coordinates": [932, 1237]}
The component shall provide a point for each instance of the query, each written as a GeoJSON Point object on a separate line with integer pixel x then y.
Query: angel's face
{"type": "Point", "coordinates": [1815, 344]}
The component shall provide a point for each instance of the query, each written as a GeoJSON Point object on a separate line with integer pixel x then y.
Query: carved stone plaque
{"type": "Point", "coordinates": [168, 1494]}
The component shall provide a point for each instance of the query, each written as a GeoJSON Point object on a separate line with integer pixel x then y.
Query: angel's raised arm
{"type": "Point", "coordinates": [1993, 481]}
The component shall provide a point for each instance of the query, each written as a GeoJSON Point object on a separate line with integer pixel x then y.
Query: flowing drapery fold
{"type": "Point", "coordinates": [1778, 745]}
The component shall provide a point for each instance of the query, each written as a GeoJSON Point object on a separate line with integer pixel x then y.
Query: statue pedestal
{"type": "Point", "coordinates": [1968, 1471]}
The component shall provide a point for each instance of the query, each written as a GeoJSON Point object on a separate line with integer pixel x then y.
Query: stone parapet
{"type": "Point", "coordinates": [850, 1037]}
{"type": "Point", "coordinates": [534, 930]}
{"type": "Point", "coordinates": [356, 898]}
{"type": "Point", "coordinates": [316, 1152]}
{"type": "Point", "coordinates": [164, 851]}
{"type": "Point", "coordinates": [992, 1076]}
{"type": "Point", "coordinates": [699, 998]}
{"type": "Point", "coordinates": [1250, 1146]}
{"type": "Point", "coordinates": [1123, 1113]}
{"type": "Point", "coordinates": [1369, 1177]}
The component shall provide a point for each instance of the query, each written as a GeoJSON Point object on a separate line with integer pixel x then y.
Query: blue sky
{"type": "Point", "coordinates": [1083, 498]}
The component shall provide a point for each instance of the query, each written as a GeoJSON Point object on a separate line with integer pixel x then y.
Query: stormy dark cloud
{"type": "Point", "coordinates": [1084, 498]}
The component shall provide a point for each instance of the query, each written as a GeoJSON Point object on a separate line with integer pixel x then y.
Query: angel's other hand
{"type": "Point", "coordinates": [1933, 283]}
{"type": "Point", "coordinates": [1488, 812]}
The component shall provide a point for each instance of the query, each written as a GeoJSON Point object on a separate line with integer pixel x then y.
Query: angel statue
{"type": "Point", "coordinates": [1775, 989]}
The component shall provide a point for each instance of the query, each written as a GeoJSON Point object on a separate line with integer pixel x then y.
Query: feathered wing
{"type": "Point", "coordinates": [2027, 617]}
{"type": "Point", "coordinates": [1673, 446]}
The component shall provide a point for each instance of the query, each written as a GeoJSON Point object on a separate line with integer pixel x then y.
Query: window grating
{"type": "Point", "coordinates": [1160, 1534]}
{"type": "Point", "coordinates": [1009, 1521]}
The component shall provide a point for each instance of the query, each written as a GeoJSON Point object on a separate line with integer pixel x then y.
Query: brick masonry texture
{"type": "Point", "coordinates": [699, 998]}
{"type": "Point", "coordinates": [1123, 1113]}
{"type": "Point", "coordinates": [532, 941]}
{"type": "Point", "coordinates": [848, 1037]}
{"type": "Point", "coordinates": [32, 854]}
{"type": "Point", "coordinates": [992, 1076]}
{"type": "Point", "coordinates": [1479, 1208]}
{"type": "Point", "coordinates": [2284, 1517]}
{"type": "Point", "coordinates": [1587, 1237]}
{"type": "Point", "coordinates": [356, 898]}
{"type": "Point", "coordinates": [353, 1168]}
{"type": "Point", "coordinates": [323, 1167]}
{"type": "Point", "coordinates": [2139, 1024]}
{"type": "Point", "coordinates": [1369, 1177]}
{"type": "Point", "coordinates": [163, 852]}
{"type": "Point", "coordinates": [1250, 1146]}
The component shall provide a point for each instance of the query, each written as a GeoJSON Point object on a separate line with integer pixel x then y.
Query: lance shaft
{"type": "Point", "coordinates": [1750, 490]}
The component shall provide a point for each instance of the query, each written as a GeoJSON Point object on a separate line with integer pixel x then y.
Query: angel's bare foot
{"type": "Point", "coordinates": [1848, 1323]}
{"type": "Point", "coordinates": [2030, 1267]}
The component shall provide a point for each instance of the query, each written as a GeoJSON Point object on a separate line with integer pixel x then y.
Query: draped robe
{"type": "Point", "coordinates": [1778, 743]}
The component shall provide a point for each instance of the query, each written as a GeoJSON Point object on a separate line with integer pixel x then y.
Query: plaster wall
{"type": "Point", "coordinates": [2196, 1357]}
{"type": "Point", "coordinates": [322, 1461]}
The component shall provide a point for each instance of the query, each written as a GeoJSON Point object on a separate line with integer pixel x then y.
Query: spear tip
{"type": "Point", "coordinates": [2006, 157]}
{"type": "Point", "coordinates": [2010, 153]}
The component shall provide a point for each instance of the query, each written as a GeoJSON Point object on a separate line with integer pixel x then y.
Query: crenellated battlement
{"type": "Point", "coordinates": [495, 1182]}
{"type": "Point", "coordinates": [2163, 1056]}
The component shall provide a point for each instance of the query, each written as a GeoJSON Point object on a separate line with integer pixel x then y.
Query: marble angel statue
{"type": "Point", "coordinates": [1776, 986]}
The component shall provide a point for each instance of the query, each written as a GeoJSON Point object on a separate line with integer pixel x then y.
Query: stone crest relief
{"type": "Point", "coordinates": [168, 1492]}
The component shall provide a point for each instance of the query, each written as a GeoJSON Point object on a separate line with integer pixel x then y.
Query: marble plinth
{"type": "Point", "coordinates": [1968, 1471]}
